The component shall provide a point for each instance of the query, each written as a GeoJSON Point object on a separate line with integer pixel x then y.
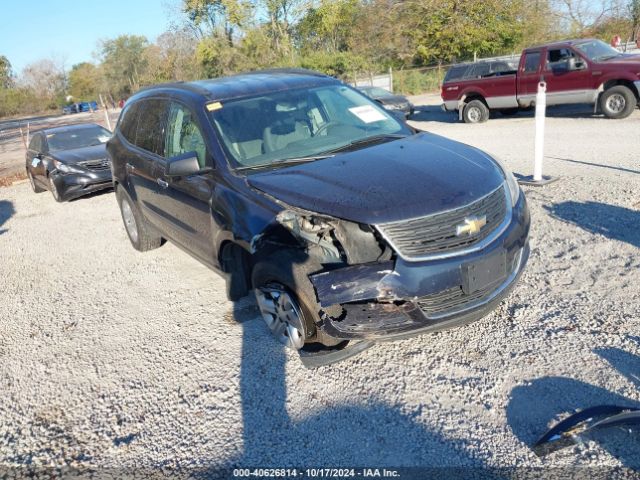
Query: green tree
{"type": "Point", "coordinates": [328, 27]}
{"type": "Point", "coordinates": [217, 17]}
{"type": "Point", "coordinates": [123, 64]}
{"type": "Point", "coordinates": [84, 81]}
{"type": "Point", "coordinates": [446, 30]}
{"type": "Point", "coordinates": [6, 74]}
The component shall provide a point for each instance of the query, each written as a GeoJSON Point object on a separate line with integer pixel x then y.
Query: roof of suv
{"type": "Point", "coordinates": [244, 84]}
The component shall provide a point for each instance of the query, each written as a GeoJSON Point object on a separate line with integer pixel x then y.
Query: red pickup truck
{"type": "Point", "coordinates": [575, 71]}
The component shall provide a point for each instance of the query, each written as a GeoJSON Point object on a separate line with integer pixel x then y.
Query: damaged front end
{"type": "Point", "coordinates": [367, 290]}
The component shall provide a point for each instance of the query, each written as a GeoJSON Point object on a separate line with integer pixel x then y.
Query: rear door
{"type": "Point", "coordinates": [146, 135]}
{"type": "Point", "coordinates": [184, 202]}
{"type": "Point", "coordinates": [565, 85]}
{"type": "Point", "coordinates": [529, 75]}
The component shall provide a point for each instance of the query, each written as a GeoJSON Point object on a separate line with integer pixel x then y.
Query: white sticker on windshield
{"type": "Point", "coordinates": [103, 138]}
{"type": "Point", "coordinates": [367, 114]}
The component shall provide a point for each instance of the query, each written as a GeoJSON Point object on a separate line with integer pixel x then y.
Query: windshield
{"type": "Point", "coordinates": [77, 138]}
{"type": "Point", "coordinates": [597, 50]}
{"type": "Point", "coordinates": [377, 92]}
{"type": "Point", "coordinates": [295, 125]}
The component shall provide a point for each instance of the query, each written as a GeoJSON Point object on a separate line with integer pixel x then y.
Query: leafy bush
{"type": "Point", "coordinates": [413, 82]}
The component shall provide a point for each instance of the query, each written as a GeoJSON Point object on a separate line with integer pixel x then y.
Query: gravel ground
{"type": "Point", "coordinates": [116, 360]}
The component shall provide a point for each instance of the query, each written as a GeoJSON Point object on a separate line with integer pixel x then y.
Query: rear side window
{"type": "Point", "coordinates": [129, 122]}
{"type": "Point", "coordinates": [531, 62]}
{"type": "Point", "coordinates": [36, 143]}
{"type": "Point", "coordinates": [151, 126]}
{"type": "Point", "coordinates": [184, 134]}
{"type": "Point", "coordinates": [456, 73]}
{"type": "Point", "coordinates": [480, 70]}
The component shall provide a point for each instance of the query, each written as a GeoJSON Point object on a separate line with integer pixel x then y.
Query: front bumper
{"type": "Point", "coordinates": [398, 299]}
{"type": "Point", "coordinates": [74, 185]}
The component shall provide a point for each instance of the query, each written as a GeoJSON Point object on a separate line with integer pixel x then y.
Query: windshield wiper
{"type": "Point", "coordinates": [285, 161]}
{"type": "Point", "coordinates": [368, 140]}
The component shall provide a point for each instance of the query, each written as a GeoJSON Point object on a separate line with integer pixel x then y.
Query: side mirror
{"type": "Point", "coordinates": [574, 63]}
{"type": "Point", "coordinates": [183, 165]}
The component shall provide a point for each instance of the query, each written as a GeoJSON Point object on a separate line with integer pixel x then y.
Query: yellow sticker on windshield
{"type": "Point", "coordinates": [214, 106]}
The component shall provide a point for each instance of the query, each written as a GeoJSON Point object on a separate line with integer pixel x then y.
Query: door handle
{"type": "Point", "coordinates": [162, 183]}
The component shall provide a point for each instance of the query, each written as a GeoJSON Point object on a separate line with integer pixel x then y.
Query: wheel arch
{"type": "Point", "coordinates": [604, 86]}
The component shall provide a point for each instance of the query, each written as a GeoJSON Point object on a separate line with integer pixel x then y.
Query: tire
{"type": "Point", "coordinates": [288, 270]}
{"type": "Point", "coordinates": [509, 111]}
{"type": "Point", "coordinates": [475, 112]}
{"type": "Point", "coordinates": [53, 189]}
{"type": "Point", "coordinates": [34, 186]}
{"type": "Point", "coordinates": [140, 233]}
{"type": "Point", "coordinates": [618, 102]}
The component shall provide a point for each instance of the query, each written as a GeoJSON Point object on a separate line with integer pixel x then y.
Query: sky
{"type": "Point", "coordinates": [70, 29]}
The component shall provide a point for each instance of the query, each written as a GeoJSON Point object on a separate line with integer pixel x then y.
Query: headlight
{"type": "Point", "coordinates": [512, 183]}
{"type": "Point", "coordinates": [310, 225]}
{"type": "Point", "coordinates": [62, 167]}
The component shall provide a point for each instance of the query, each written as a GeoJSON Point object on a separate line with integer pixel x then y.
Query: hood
{"type": "Point", "coordinates": [393, 100]}
{"type": "Point", "coordinates": [411, 177]}
{"type": "Point", "coordinates": [76, 155]}
{"type": "Point", "coordinates": [624, 60]}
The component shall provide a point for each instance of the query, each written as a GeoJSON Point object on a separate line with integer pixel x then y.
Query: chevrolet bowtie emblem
{"type": "Point", "coordinates": [471, 225]}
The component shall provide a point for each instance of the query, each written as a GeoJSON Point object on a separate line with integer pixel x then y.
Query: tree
{"type": "Point", "coordinates": [328, 27]}
{"type": "Point", "coordinates": [217, 17]}
{"type": "Point", "coordinates": [634, 13]}
{"type": "Point", "coordinates": [447, 30]}
{"type": "Point", "coordinates": [6, 73]}
{"type": "Point", "coordinates": [84, 81]}
{"type": "Point", "coordinates": [123, 63]}
{"type": "Point", "coordinates": [45, 78]}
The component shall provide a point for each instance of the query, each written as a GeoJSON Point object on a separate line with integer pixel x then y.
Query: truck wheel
{"type": "Point", "coordinates": [617, 102]}
{"type": "Point", "coordinates": [286, 297]}
{"type": "Point", "coordinates": [141, 234]}
{"type": "Point", "coordinates": [475, 112]}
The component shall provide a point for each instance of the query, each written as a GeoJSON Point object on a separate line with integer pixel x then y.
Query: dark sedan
{"type": "Point", "coordinates": [69, 161]}
{"type": "Point", "coordinates": [388, 100]}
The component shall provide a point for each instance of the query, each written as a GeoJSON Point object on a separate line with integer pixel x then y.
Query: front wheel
{"type": "Point", "coordinates": [475, 112]}
{"type": "Point", "coordinates": [54, 190]}
{"type": "Point", "coordinates": [618, 102]}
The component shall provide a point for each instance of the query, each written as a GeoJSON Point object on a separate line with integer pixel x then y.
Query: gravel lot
{"type": "Point", "coordinates": [112, 359]}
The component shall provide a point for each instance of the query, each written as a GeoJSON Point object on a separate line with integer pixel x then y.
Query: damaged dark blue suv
{"type": "Point", "coordinates": [349, 226]}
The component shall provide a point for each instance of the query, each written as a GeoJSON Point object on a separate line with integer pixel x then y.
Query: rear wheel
{"type": "Point", "coordinates": [34, 186]}
{"type": "Point", "coordinates": [618, 102]}
{"type": "Point", "coordinates": [475, 112]}
{"type": "Point", "coordinates": [141, 234]}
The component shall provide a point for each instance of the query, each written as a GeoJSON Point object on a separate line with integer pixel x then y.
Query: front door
{"type": "Point", "coordinates": [564, 84]}
{"type": "Point", "coordinates": [184, 202]}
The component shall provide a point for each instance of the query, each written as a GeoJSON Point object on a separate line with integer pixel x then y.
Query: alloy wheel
{"type": "Point", "coordinates": [282, 314]}
{"type": "Point", "coordinates": [616, 103]}
{"type": "Point", "coordinates": [54, 189]}
{"type": "Point", "coordinates": [129, 220]}
{"type": "Point", "coordinates": [474, 114]}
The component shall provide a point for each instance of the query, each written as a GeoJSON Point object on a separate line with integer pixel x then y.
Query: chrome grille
{"type": "Point", "coordinates": [102, 164]}
{"type": "Point", "coordinates": [434, 235]}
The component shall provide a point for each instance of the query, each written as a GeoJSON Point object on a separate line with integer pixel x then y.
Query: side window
{"type": "Point", "coordinates": [481, 70]}
{"type": "Point", "coordinates": [557, 59]}
{"type": "Point", "coordinates": [151, 125]}
{"type": "Point", "coordinates": [531, 62]}
{"type": "Point", "coordinates": [129, 122]}
{"type": "Point", "coordinates": [36, 143]}
{"type": "Point", "coordinates": [184, 134]}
